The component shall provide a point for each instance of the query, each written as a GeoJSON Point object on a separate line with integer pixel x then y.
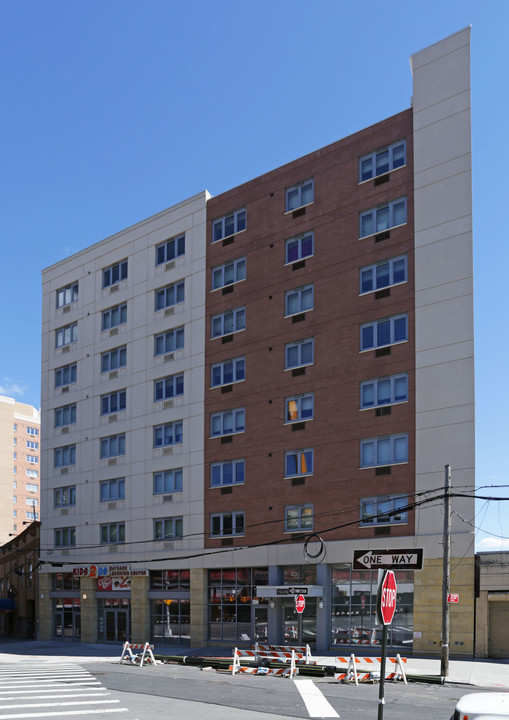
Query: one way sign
{"type": "Point", "coordinates": [397, 559]}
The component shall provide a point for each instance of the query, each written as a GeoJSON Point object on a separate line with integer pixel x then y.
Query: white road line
{"type": "Point", "coordinates": [53, 683]}
{"type": "Point", "coordinates": [57, 704]}
{"type": "Point", "coordinates": [316, 703]}
{"type": "Point", "coordinates": [21, 678]}
{"type": "Point", "coordinates": [64, 713]}
{"type": "Point", "coordinates": [63, 689]}
{"type": "Point", "coordinates": [25, 693]}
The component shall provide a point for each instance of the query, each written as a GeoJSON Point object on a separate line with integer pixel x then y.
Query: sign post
{"type": "Point", "coordinates": [386, 607]}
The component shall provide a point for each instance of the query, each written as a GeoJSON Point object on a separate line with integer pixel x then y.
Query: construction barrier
{"type": "Point", "coordinates": [146, 656]}
{"type": "Point", "coordinates": [369, 673]}
{"type": "Point", "coordinates": [284, 651]}
{"type": "Point", "coordinates": [283, 672]}
{"type": "Point", "coordinates": [300, 658]}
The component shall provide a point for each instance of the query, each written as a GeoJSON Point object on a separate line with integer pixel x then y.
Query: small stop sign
{"type": "Point", "coordinates": [387, 599]}
{"type": "Point", "coordinates": [300, 603]}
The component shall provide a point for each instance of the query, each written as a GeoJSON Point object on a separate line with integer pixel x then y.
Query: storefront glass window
{"type": "Point", "coordinates": [65, 581]}
{"type": "Point", "coordinates": [169, 580]}
{"type": "Point", "coordinates": [232, 613]}
{"type": "Point", "coordinates": [353, 608]}
{"type": "Point", "coordinates": [170, 621]}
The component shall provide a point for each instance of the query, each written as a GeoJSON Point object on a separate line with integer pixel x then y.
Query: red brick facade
{"type": "Point", "coordinates": [335, 432]}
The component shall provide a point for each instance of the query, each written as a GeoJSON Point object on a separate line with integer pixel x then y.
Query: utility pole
{"type": "Point", "coordinates": [446, 579]}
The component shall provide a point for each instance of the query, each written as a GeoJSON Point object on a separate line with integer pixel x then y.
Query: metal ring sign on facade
{"type": "Point", "coordinates": [314, 557]}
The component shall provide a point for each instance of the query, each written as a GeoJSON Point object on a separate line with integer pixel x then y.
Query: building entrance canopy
{"type": "Point", "coordinates": [273, 591]}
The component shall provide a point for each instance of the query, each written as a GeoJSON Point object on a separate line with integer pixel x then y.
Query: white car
{"type": "Point", "coordinates": [482, 706]}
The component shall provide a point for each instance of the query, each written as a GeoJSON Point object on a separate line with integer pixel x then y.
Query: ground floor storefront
{"type": "Point", "coordinates": [244, 605]}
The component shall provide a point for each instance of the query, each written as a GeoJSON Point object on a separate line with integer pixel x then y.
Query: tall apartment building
{"type": "Point", "coordinates": [19, 466]}
{"type": "Point", "coordinates": [291, 358]}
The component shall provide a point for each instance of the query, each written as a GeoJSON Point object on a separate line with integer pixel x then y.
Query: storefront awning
{"type": "Point", "coordinates": [273, 591]}
{"type": "Point", "coordinates": [7, 605]}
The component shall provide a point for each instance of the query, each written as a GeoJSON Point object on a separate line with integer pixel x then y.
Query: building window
{"type": "Point", "coordinates": [15, 426]}
{"type": "Point", "coordinates": [227, 372]}
{"type": "Point", "coordinates": [14, 513]}
{"type": "Point", "coordinates": [169, 341]}
{"type": "Point", "coordinates": [229, 322]}
{"type": "Point", "coordinates": [383, 217]}
{"type": "Point", "coordinates": [114, 359]}
{"type": "Point", "coordinates": [298, 517]}
{"type": "Point", "coordinates": [112, 446]}
{"type": "Point", "coordinates": [32, 459]}
{"type": "Point", "coordinates": [31, 515]}
{"type": "Point", "coordinates": [114, 274]}
{"type": "Point", "coordinates": [112, 533]}
{"type": "Point", "coordinates": [299, 462]}
{"type": "Point", "coordinates": [229, 225]}
{"type": "Point", "coordinates": [226, 524]}
{"type": "Point", "coordinates": [382, 161]}
{"type": "Point", "coordinates": [299, 407]}
{"type": "Point", "coordinates": [229, 472]}
{"type": "Point", "coordinates": [231, 616]}
{"type": "Point", "coordinates": [15, 441]}
{"type": "Point", "coordinates": [64, 456]}
{"type": "Point", "coordinates": [32, 473]}
{"type": "Point", "coordinates": [384, 391]}
{"type": "Point", "coordinates": [229, 273]}
{"type": "Point", "coordinates": [113, 317]}
{"type": "Point", "coordinates": [169, 481]}
{"type": "Point", "coordinates": [14, 484]}
{"type": "Point", "coordinates": [15, 470]}
{"type": "Point", "coordinates": [14, 499]}
{"type": "Point", "coordinates": [15, 456]}
{"type": "Point", "coordinates": [65, 415]}
{"type": "Point", "coordinates": [383, 274]}
{"type": "Point", "coordinates": [388, 450]}
{"type": "Point", "coordinates": [31, 445]}
{"type": "Point", "coordinates": [66, 335]}
{"type": "Point", "coordinates": [64, 496]}
{"type": "Point", "coordinates": [170, 249]}
{"type": "Point", "coordinates": [32, 431]}
{"type": "Point", "coordinates": [298, 248]}
{"type": "Point", "coordinates": [169, 296]}
{"type": "Point", "coordinates": [169, 387]}
{"type": "Point", "coordinates": [228, 422]}
{"type": "Point", "coordinates": [67, 295]}
{"type": "Point", "coordinates": [384, 510]}
{"type": "Point", "coordinates": [300, 195]}
{"type": "Point", "coordinates": [112, 490]}
{"type": "Point", "coordinates": [380, 333]}
{"type": "Point", "coordinates": [169, 434]}
{"type": "Point", "coordinates": [31, 487]}
{"type": "Point", "coordinates": [65, 537]}
{"type": "Point", "coordinates": [113, 402]}
{"type": "Point", "coordinates": [168, 528]}
{"type": "Point", "coordinates": [31, 501]}
{"type": "Point", "coordinates": [299, 300]}
{"type": "Point", "coordinates": [66, 375]}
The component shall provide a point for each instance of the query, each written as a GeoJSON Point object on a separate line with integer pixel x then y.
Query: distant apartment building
{"type": "Point", "coordinates": [241, 392]}
{"type": "Point", "coordinates": [19, 466]}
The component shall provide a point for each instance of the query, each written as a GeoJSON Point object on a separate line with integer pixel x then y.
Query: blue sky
{"type": "Point", "coordinates": [113, 111]}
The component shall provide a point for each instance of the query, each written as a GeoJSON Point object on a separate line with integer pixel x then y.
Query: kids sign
{"type": "Point", "coordinates": [387, 597]}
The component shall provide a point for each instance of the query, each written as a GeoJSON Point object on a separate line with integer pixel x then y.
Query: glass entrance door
{"type": "Point", "coordinates": [116, 625]}
{"type": "Point", "coordinates": [298, 628]}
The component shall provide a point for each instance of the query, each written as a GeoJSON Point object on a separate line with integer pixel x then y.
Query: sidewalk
{"type": "Point", "coordinates": [477, 672]}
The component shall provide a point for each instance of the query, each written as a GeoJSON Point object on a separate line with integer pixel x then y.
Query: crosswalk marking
{"type": "Point", "coordinates": [60, 691]}
{"type": "Point", "coordinates": [316, 704]}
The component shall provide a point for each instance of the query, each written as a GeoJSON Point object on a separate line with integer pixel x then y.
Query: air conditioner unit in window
{"type": "Point", "coordinates": [66, 349]}
{"type": "Point", "coordinates": [64, 471]}
{"type": "Point", "coordinates": [66, 309]}
{"type": "Point", "coordinates": [112, 506]}
{"type": "Point", "coordinates": [169, 546]}
{"type": "Point", "coordinates": [65, 389]}
{"type": "Point", "coordinates": [169, 311]}
{"type": "Point", "coordinates": [64, 430]}
{"type": "Point", "coordinates": [113, 548]}
{"type": "Point", "coordinates": [169, 357]}
{"type": "Point", "coordinates": [65, 511]}
{"type": "Point", "coordinates": [113, 418]}
{"type": "Point", "coordinates": [167, 404]}
{"type": "Point", "coordinates": [112, 461]}
{"type": "Point", "coordinates": [113, 289]}
{"type": "Point", "coordinates": [167, 498]}
{"type": "Point", "coordinates": [65, 552]}
{"type": "Point", "coordinates": [168, 451]}
{"type": "Point", "coordinates": [170, 265]}
{"type": "Point", "coordinates": [113, 374]}
{"type": "Point", "coordinates": [113, 331]}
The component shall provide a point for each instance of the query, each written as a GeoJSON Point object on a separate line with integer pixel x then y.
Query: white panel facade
{"type": "Point", "coordinates": [140, 323]}
{"type": "Point", "coordinates": [443, 276]}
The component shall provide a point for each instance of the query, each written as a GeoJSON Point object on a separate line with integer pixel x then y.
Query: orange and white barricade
{"type": "Point", "coordinates": [371, 669]}
{"type": "Point", "coordinates": [238, 668]}
{"type": "Point", "coordinates": [144, 656]}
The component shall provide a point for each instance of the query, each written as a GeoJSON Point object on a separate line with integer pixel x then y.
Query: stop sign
{"type": "Point", "coordinates": [387, 598]}
{"type": "Point", "coordinates": [300, 603]}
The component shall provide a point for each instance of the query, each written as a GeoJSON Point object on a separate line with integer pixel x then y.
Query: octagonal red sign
{"type": "Point", "coordinates": [387, 601]}
{"type": "Point", "coordinates": [300, 603]}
